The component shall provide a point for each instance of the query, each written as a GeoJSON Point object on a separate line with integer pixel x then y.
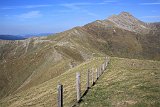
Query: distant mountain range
{"type": "Point", "coordinates": [11, 37]}
{"type": "Point", "coordinates": [22, 37]}
{"type": "Point", "coordinates": [35, 35]}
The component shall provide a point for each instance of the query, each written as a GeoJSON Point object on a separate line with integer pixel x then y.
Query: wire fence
{"type": "Point", "coordinates": [84, 81]}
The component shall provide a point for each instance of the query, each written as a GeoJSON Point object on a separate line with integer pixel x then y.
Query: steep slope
{"type": "Point", "coordinates": [126, 83]}
{"type": "Point", "coordinates": [125, 36]}
{"type": "Point", "coordinates": [116, 41]}
{"type": "Point", "coordinates": [25, 62]}
{"type": "Point", "coordinates": [45, 94]}
{"type": "Point", "coordinates": [128, 22]}
{"type": "Point", "coordinates": [30, 62]}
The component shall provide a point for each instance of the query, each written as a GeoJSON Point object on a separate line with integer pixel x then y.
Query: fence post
{"type": "Point", "coordinates": [60, 95]}
{"type": "Point", "coordinates": [99, 72]}
{"type": "Point", "coordinates": [100, 69]}
{"type": "Point", "coordinates": [106, 63]}
{"type": "Point", "coordinates": [96, 74]}
{"type": "Point", "coordinates": [78, 86]}
{"type": "Point", "coordinates": [88, 79]}
{"type": "Point", "coordinates": [92, 77]}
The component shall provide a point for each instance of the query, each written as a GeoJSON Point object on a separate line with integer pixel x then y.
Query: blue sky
{"type": "Point", "coordinates": [51, 16]}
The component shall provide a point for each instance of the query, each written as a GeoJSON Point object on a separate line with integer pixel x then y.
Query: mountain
{"type": "Point", "coordinates": [128, 22]}
{"type": "Point", "coordinates": [11, 37]}
{"type": "Point", "coordinates": [22, 37]}
{"type": "Point", "coordinates": [125, 36]}
{"type": "Point", "coordinates": [37, 63]}
{"type": "Point", "coordinates": [36, 35]}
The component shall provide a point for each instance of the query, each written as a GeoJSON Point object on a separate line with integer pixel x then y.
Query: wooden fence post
{"type": "Point", "coordinates": [78, 86]}
{"type": "Point", "coordinates": [100, 70]}
{"type": "Point", "coordinates": [99, 74]}
{"type": "Point", "coordinates": [92, 77]}
{"type": "Point", "coordinates": [88, 79]}
{"type": "Point", "coordinates": [60, 95]}
{"type": "Point", "coordinates": [96, 74]}
{"type": "Point", "coordinates": [106, 63]}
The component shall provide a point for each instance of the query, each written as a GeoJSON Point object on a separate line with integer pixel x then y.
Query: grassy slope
{"type": "Point", "coordinates": [17, 70]}
{"type": "Point", "coordinates": [45, 94]}
{"type": "Point", "coordinates": [118, 42]}
{"type": "Point", "coordinates": [127, 83]}
{"type": "Point", "coordinates": [28, 63]}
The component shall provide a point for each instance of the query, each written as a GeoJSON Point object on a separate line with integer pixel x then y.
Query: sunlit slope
{"type": "Point", "coordinates": [127, 83]}
{"type": "Point", "coordinates": [30, 62]}
{"type": "Point", "coordinates": [45, 94]}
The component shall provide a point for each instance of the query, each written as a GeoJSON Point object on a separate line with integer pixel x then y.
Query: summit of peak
{"type": "Point", "coordinates": [125, 13]}
{"type": "Point", "coordinates": [127, 21]}
{"type": "Point", "coordinates": [122, 15]}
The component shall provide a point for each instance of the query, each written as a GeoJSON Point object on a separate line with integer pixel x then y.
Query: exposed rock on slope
{"type": "Point", "coordinates": [129, 22]}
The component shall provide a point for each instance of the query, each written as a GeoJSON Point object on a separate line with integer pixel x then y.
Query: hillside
{"type": "Point", "coordinates": [125, 36]}
{"type": "Point", "coordinates": [36, 35]}
{"type": "Point", "coordinates": [32, 62]}
{"type": "Point", "coordinates": [127, 83]}
{"type": "Point", "coordinates": [45, 94]}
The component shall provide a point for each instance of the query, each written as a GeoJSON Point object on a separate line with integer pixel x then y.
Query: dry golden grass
{"type": "Point", "coordinates": [45, 94]}
{"type": "Point", "coordinates": [127, 82]}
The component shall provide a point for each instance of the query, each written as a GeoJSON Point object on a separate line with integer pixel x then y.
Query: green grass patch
{"type": "Point", "coordinates": [126, 83]}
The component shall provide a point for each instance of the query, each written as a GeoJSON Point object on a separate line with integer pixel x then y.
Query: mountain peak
{"type": "Point", "coordinates": [127, 21]}
{"type": "Point", "coordinates": [125, 14]}
{"type": "Point", "coordinates": [122, 15]}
